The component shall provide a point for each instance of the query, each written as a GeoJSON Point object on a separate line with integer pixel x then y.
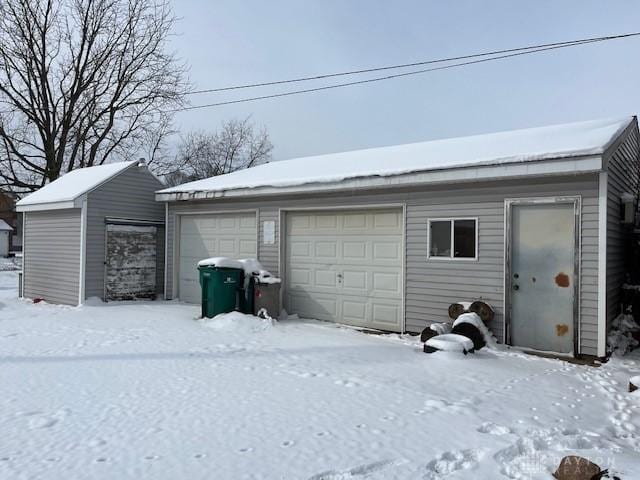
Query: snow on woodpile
{"type": "Point", "coordinates": [474, 319]}
{"type": "Point", "coordinates": [533, 144]}
{"type": "Point", "coordinates": [73, 184]}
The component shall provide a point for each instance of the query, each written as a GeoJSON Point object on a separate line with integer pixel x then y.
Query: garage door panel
{"type": "Point", "coordinates": [386, 282]}
{"type": "Point", "coordinates": [387, 251]}
{"type": "Point", "coordinates": [354, 258]}
{"type": "Point", "coordinates": [322, 307]}
{"type": "Point", "coordinates": [354, 250]}
{"type": "Point", "coordinates": [386, 316]}
{"type": "Point", "coordinates": [354, 312]}
{"type": "Point", "coordinates": [386, 220]}
{"type": "Point", "coordinates": [325, 278]}
{"type": "Point", "coordinates": [354, 220]}
{"type": "Point", "coordinates": [326, 249]}
{"type": "Point", "coordinates": [353, 279]}
{"type": "Point", "coordinates": [219, 235]}
{"type": "Point", "coordinates": [248, 247]}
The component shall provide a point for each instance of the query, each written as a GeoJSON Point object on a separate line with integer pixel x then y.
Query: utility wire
{"type": "Point", "coordinates": [568, 43]}
{"type": "Point", "coordinates": [387, 77]}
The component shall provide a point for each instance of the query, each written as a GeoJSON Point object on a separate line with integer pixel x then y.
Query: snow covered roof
{"type": "Point", "coordinates": [62, 192]}
{"type": "Point", "coordinates": [519, 146]}
{"type": "Point", "coordinates": [4, 226]}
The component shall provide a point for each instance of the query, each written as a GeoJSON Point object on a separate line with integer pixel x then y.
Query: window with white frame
{"type": "Point", "coordinates": [453, 238]}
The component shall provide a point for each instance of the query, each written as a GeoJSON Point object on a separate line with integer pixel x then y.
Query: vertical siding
{"type": "Point", "coordinates": [432, 285]}
{"type": "Point", "coordinates": [131, 195]}
{"type": "Point", "coordinates": [623, 176]}
{"type": "Point", "coordinates": [269, 254]}
{"type": "Point", "coordinates": [52, 260]}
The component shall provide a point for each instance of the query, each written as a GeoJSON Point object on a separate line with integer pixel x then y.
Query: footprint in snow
{"type": "Point", "coordinates": [42, 422]}
{"type": "Point", "coordinates": [493, 429]}
{"type": "Point", "coordinates": [360, 471]}
{"type": "Point", "coordinates": [452, 462]}
{"type": "Point", "coordinates": [347, 383]}
{"type": "Point", "coordinates": [288, 443]}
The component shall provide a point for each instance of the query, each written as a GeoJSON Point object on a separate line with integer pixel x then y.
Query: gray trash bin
{"type": "Point", "coordinates": [267, 296]}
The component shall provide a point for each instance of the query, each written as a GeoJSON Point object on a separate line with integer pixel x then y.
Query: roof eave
{"type": "Point", "coordinates": [37, 207]}
{"type": "Point", "coordinates": [541, 168]}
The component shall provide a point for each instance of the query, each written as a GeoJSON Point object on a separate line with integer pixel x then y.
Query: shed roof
{"type": "Point", "coordinates": [72, 185]}
{"type": "Point", "coordinates": [518, 146]}
{"type": "Point", "coordinates": [5, 227]}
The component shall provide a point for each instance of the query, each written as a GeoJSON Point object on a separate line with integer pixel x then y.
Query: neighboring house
{"type": "Point", "coordinates": [94, 232]}
{"type": "Point", "coordinates": [5, 238]}
{"type": "Point", "coordinates": [387, 238]}
{"type": "Point", "coordinates": [11, 217]}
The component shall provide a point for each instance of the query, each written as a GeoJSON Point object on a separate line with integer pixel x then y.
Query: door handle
{"type": "Point", "coordinates": [516, 287]}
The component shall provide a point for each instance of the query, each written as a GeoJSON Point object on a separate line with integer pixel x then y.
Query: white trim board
{"type": "Point", "coordinates": [83, 251]}
{"type": "Point", "coordinates": [602, 263]}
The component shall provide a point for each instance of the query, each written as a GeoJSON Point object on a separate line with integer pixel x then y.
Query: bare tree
{"type": "Point", "coordinates": [201, 155]}
{"type": "Point", "coordinates": [82, 81]}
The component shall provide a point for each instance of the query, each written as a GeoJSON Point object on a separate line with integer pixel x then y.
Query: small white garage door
{"type": "Point", "coordinates": [202, 236]}
{"type": "Point", "coordinates": [346, 267]}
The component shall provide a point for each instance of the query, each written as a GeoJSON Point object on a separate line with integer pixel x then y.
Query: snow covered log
{"type": "Point", "coordinates": [634, 384]}
{"type": "Point", "coordinates": [484, 310]}
{"type": "Point", "coordinates": [456, 309]}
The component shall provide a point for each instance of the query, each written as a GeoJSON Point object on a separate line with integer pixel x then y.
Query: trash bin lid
{"type": "Point", "coordinates": [221, 262]}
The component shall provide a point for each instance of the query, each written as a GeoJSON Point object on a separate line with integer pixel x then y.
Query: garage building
{"type": "Point", "coordinates": [528, 221]}
{"type": "Point", "coordinates": [94, 232]}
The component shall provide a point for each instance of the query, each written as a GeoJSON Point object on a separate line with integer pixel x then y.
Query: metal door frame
{"type": "Point", "coordinates": [576, 201]}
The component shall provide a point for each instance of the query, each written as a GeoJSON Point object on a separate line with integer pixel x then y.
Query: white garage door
{"type": "Point", "coordinates": [346, 267]}
{"type": "Point", "coordinates": [202, 236]}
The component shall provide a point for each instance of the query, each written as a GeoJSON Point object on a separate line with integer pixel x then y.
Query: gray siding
{"type": "Point", "coordinates": [52, 255]}
{"type": "Point", "coordinates": [623, 170]}
{"type": "Point", "coordinates": [432, 285]}
{"type": "Point", "coordinates": [128, 195]}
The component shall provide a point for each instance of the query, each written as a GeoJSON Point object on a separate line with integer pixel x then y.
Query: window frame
{"type": "Point", "coordinates": [452, 257]}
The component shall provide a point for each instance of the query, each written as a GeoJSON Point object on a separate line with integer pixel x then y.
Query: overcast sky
{"type": "Point", "coordinates": [229, 42]}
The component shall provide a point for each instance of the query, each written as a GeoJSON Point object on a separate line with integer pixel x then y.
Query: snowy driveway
{"type": "Point", "coordinates": [144, 391]}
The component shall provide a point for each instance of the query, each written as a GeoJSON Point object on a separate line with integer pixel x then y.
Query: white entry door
{"type": "Point", "coordinates": [543, 276]}
{"type": "Point", "coordinates": [201, 236]}
{"type": "Point", "coordinates": [346, 267]}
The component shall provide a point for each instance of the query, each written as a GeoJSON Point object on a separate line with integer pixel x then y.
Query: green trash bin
{"type": "Point", "coordinates": [220, 286]}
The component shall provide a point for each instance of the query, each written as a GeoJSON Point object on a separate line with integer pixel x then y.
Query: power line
{"type": "Point", "coordinates": [568, 43]}
{"type": "Point", "coordinates": [387, 77]}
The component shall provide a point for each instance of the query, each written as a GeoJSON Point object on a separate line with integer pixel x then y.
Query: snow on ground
{"type": "Point", "coordinates": [143, 390]}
